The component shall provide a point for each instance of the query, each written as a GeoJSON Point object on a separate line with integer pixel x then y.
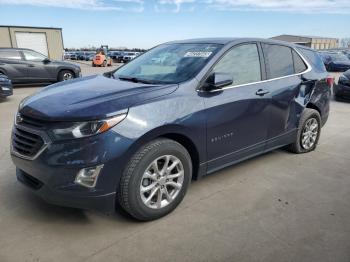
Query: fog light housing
{"type": "Point", "coordinates": [87, 177]}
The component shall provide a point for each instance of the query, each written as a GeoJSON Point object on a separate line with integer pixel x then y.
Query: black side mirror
{"type": "Point", "coordinates": [217, 81]}
{"type": "Point", "coordinates": [46, 61]}
{"type": "Point", "coordinates": [109, 74]}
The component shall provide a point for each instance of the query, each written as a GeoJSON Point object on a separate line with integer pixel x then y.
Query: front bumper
{"type": "Point", "coordinates": [51, 174]}
{"type": "Point", "coordinates": [103, 203]}
{"type": "Point", "coordinates": [341, 90]}
{"type": "Point", "coordinates": [6, 90]}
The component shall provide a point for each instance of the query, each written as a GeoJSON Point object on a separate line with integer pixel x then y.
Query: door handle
{"type": "Point", "coordinates": [262, 92]}
{"type": "Point", "coordinates": [31, 65]}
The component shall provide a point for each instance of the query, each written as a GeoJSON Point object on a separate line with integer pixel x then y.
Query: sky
{"type": "Point", "coordinates": [145, 23]}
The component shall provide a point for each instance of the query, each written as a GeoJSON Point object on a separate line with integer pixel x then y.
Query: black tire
{"type": "Point", "coordinates": [93, 65]}
{"type": "Point", "coordinates": [129, 196]}
{"type": "Point", "coordinates": [62, 75]}
{"type": "Point", "coordinates": [297, 146]}
{"type": "Point", "coordinates": [104, 63]}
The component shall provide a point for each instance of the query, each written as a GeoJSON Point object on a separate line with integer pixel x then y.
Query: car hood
{"type": "Point", "coordinates": [89, 98]}
{"type": "Point", "coordinates": [342, 63]}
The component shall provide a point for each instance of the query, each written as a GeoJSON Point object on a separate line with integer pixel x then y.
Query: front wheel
{"type": "Point", "coordinates": [155, 180]}
{"type": "Point", "coordinates": [65, 75]}
{"type": "Point", "coordinates": [309, 131]}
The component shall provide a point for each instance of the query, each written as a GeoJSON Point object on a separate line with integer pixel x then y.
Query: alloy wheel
{"type": "Point", "coordinates": [162, 181]}
{"type": "Point", "coordinates": [67, 76]}
{"type": "Point", "coordinates": [309, 134]}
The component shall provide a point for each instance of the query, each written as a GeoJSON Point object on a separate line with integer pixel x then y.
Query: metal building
{"type": "Point", "coordinates": [315, 42]}
{"type": "Point", "coordinates": [45, 40]}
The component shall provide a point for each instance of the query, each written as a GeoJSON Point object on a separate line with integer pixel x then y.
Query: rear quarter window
{"type": "Point", "coordinates": [10, 54]}
{"type": "Point", "coordinates": [299, 65]}
{"type": "Point", "coordinates": [314, 59]}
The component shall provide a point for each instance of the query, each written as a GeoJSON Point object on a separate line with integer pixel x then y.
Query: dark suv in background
{"type": "Point", "coordinates": [25, 66]}
{"type": "Point", "coordinates": [138, 135]}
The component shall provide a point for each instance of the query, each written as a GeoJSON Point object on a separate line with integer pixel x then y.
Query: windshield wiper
{"type": "Point", "coordinates": [135, 79]}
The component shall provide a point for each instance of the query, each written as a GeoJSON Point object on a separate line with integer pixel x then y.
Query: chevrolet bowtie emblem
{"type": "Point", "coordinates": [19, 119]}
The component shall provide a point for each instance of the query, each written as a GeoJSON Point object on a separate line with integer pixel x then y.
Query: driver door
{"type": "Point", "coordinates": [237, 115]}
{"type": "Point", "coordinates": [37, 69]}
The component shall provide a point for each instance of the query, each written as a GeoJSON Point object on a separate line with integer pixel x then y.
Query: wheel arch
{"type": "Point", "coordinates": [311, 105]}
{"type": "Point", "coordinates": [188, 144]}
{"type": "Point", "coordinates": [174, 133]}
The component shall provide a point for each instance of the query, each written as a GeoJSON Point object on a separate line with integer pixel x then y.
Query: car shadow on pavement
{"type": "Point", "coordinates": [37, 209]}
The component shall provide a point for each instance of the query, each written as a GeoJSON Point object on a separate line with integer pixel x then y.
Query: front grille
{"type": "Point", "coordinates": [32, 122]}
{"type": "Point", "coordinates": [26, 143]}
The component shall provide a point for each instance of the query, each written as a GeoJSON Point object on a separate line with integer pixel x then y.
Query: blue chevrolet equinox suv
{"type": "Point", "coordinates": [134, 138]}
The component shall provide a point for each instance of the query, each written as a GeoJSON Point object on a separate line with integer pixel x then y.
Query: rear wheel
{"type": "Point", "coordinates": [65, 75]}
{"type": "Point", "coordinates": [308, 132]}
{"type": "Point", "coordinates": [104, 63]}
{"type": "Point", "coordinates": [155, 180]}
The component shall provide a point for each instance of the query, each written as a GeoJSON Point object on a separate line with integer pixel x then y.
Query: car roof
{"type": "Point", "coordinates": [234, 40]}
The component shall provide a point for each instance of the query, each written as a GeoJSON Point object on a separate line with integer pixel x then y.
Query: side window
{"type": "Point", "coordinates": [242, 63]}
{"type": "Point", "coordinates": [299, 65]}
{"type": "Point", "coordinates": [279, 60]}
{"type": "Point", "coordinates": [33, 56]}
{"type": "Point", "coordinates": [10, 54]}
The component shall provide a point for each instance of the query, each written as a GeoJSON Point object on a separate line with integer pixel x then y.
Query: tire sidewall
{"type": "Point", "coordinates": [308, 114]}
{"type": "Point", "coordinates": [135, 201]}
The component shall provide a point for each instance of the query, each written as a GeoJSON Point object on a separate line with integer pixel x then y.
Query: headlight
{"type": "Point", "coordinates": [85, 129]}
{"type": "Point", "coordinates": [343, 79]}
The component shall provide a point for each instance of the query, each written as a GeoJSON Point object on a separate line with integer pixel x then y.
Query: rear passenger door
{"type": "Point", "coordinates": [284, 67]}
{"type": "Point", "coordinates": [12, 64]}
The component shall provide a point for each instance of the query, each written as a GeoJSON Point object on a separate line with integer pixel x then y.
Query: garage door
{"type": "Point", "coordinates": [35, 41]}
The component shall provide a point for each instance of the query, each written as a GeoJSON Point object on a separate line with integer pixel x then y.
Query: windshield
{"type": "Point", "coordinates": [168, 63]}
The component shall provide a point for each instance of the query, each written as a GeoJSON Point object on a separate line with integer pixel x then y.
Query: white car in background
{"type": "Point", "coordinates": [128, 56]}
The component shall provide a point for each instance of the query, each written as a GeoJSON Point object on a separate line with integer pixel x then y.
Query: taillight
{"type": "Point", "coordinates": [330, 81]}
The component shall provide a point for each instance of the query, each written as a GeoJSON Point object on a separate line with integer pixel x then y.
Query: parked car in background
{"type": "Point", "coordinates": [138, 135]}
{"type": "Point", "coordinates": [25, 66]}
{"type": "Point", "coordinates": [347, 53]}
{"type": "Point", "coordinates": [342, 89]}
{"type": "Point", "coordinates": [89, 57]}
{"type": "Point", "coordinates": [335, 62]}
{"type": "Point", "coordinates": [5, 86]}
{"type": "Point", "coordinates": [128, 56]}
{"type": "Point", "coordinates": [73, 56]}
{"type": "Point", "coordinates": [66, 55]}
{"type": "Point", "coordinates": [84, 54]}
{"type": "Point", "coordinates": [117, 56]}
{"type": "Point", "coordinates": [120, 57]}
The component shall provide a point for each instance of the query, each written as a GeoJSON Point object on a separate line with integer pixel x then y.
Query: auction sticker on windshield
{"type": "Point", "coordinates": [198, 54]}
